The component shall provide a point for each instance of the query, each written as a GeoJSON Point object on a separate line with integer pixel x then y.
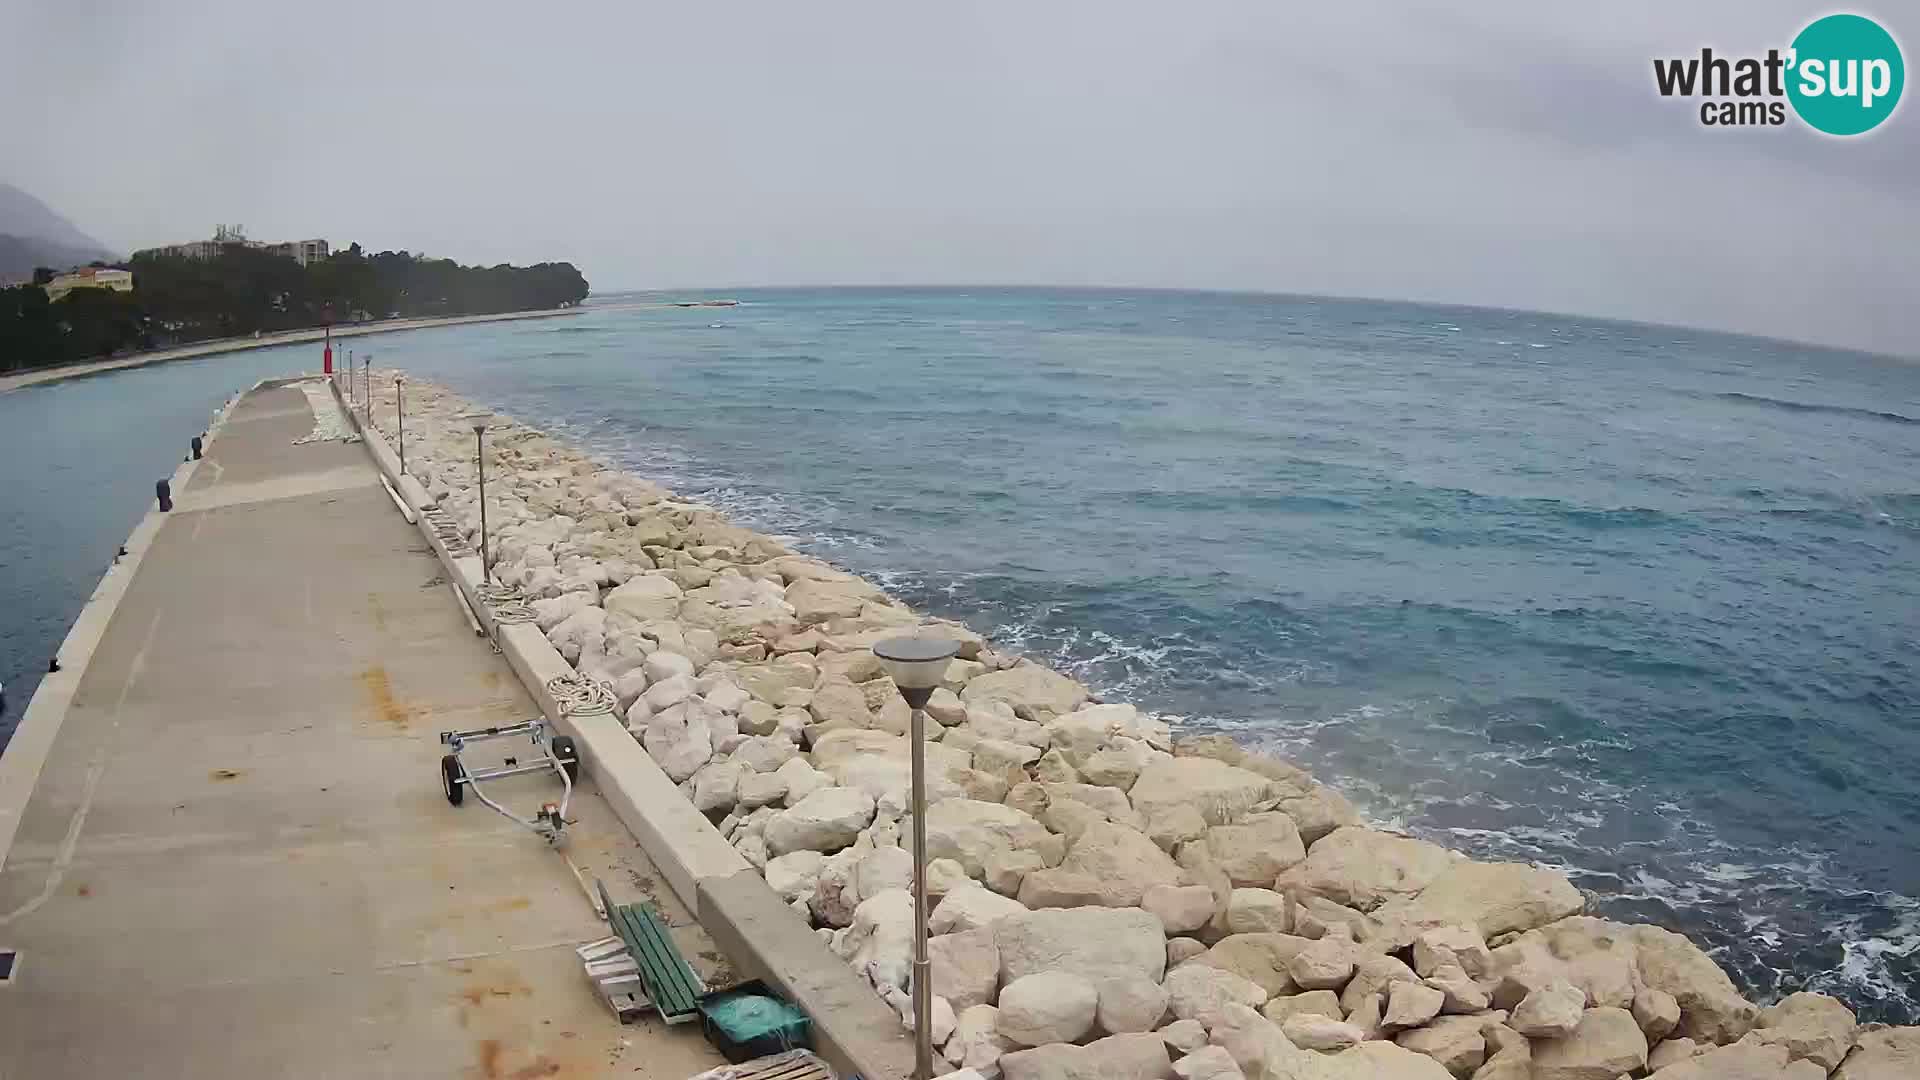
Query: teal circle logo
{"type": "Point", "coordinates": [1846, 74]}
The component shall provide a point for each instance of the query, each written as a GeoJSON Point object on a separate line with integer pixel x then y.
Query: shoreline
{"type": "Point", "coordinates": [729, 652]}
{"type": "Point", "coordinates": [37, 376]}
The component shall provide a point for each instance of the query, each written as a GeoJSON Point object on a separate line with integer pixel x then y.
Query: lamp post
{"type": "Point", "coordinates": [366, 402]}
{"type": "Point", "coordinates": [352, 386]}
{"type": "Point", "coordinates": [400, 420]}
{"type": "Point", "coordinates": [479, 424]}
{"type": "Point", "coordinates": [916, 666]}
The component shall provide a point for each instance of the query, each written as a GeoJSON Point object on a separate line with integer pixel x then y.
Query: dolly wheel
{"type": "Point", "coordinates": [567, 756]}
{"type": "Point", "coordinates": [453, 778]}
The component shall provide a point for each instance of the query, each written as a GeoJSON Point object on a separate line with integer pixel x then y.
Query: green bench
{"type": "Point", "coordinates": [671, 984]}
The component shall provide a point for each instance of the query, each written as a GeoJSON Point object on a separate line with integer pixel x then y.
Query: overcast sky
{"type": "Point", "coordinates": [1503, 153]}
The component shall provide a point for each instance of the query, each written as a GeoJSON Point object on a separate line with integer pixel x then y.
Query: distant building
{"type": "Point", "coordinates": [300, 251]}
{"type": "Point", "coordinates": [89, 277]}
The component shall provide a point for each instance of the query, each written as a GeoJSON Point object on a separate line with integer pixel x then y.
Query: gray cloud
{"type": "Point", "coordinates": [1508, 153]}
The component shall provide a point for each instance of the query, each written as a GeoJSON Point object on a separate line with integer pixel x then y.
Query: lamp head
{"type": "Point", "coordinates": [916, 664]}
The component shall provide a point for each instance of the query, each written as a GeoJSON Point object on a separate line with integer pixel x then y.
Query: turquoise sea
{"type": "Point", "coordinates": [1637, 601]}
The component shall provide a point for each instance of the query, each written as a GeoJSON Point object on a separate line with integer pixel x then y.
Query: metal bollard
{"type": "Point", "coordinates": [196, 447]}
{"type": "Point", "coordinates": [163, 491]}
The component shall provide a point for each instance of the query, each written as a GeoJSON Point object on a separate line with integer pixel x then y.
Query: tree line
{"type": "Point", "coordinates": [244, 290]}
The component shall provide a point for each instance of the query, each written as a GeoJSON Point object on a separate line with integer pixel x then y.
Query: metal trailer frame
{"type": "Point", "coordinates": [555, 752]}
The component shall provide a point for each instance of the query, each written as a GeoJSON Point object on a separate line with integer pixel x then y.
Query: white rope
{"type": "Point", "coordinates": [507, 602]}
{"type": "Point", "coordinates": [578, 695]}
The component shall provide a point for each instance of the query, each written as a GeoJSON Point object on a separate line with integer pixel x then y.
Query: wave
{"type": "Point", "coordinates": [1815, 407]}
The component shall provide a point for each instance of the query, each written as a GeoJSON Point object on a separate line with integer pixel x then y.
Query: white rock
{"type": "Point", "coordinates": [882, 869]}
{"type": "Point", "coordinates": [1121, 861]}
{"type": "Point", "coordinates": [572, 634]}
{"type": "Point", "coordinates": [1047, 1007]}
{"type": "Point", "coordinates": [827, 820]}
{"type": "Point", "coordinates": [968, 831]}
{"type": "Point", "coordinates": [879, 942]}
{"type": "Point", "coordinates": [1185, 1036]}
{"type": "Point", "coordinates": [717, 786]}
{"type": "Point", "coordinates": [970, 909]}
{"type": "Point", "coordinates": [1220, 792]}
{"type": "Point", "coordinates": [966, 967]}
{"type": "Point", "coordinates": [1093, 943]}
{"type": "Point", "coordinates": [1811, 1026]}
{"type": "Point", "coordinates": [1131, 1003]}
{"type": "Point", "coordinates": [1200, 991]}
{"type": "Point", "coordinates": [627, 688]}
{"type": "Point", "coordinates": [802, 780]}
{"type": "Point", "coordinates": [1326, 964]}
{"type": "Point", "coordinates": [1410, 1004]}
{"type": "Point", "coordinates": [765, 753]}
{"type": "Point", "coordinates": [550, 613]}
{"type": "Point", "coordinates": [1135, 1056]}
{"type": "Point", "coordinates": [1254, 851]}
{"type": "Point", "coordinates": [1180, 908]}
{"type": "Point", "coordinates": [1256, 911]}
{"type": "Point", "coordinates": [1551, 1012]}
{"type": "Point", "coordinates": [1207, 1063]}
{"type": "Point", "coordinates": [1607, 1043]}
{"type": "Point", "coordinates": [728, 698]}
{"type": "Point", "coordinates": [661, 665]}
{"type": "Point", "coordinates": [976, 1042]}
{"type": "Point", "coordinates": [1311, 1031]}
{"type": "Point", "coordinates": [945, 876]}
{"type": "Point", "coordinates": [794, 874]}
{"type": "Point", "coordinates": [667, 693]}
{"type": "Point", "coordinates": [645, 598]}
{"type": "Point", "coordinates": [945, 708]}
{"type": "Point", "coordinates": [1362, 868]}
{"type": "Point", "coordinates": [1034, 692]}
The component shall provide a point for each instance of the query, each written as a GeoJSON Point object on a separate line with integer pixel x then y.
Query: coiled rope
{"type": "Point", "coordinates": [507, 603]}
{"type": "Point", "coordinates": [578, 695]}
{"type": "Point", "coordinates": [444, 528]}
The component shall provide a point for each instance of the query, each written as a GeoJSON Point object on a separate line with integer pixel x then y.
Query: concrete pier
{"type": "Point", "coordinates": [235, 859]}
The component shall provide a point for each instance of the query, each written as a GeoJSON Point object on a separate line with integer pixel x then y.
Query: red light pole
{"type": "Point", "coordinates": [326, 356]}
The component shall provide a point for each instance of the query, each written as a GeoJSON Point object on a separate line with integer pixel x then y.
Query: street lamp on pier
{"type": "Point", "coordinates": [916, 666]}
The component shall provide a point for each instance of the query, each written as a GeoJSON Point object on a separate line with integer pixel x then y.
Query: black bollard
{"type": "Point", "coordinates": [196, 448]}
{"type": "Point", "coordinates": [164, 492]}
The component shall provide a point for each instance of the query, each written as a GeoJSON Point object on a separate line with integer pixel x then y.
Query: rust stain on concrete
{"type": "Point", "coordinates": [225, 774]}
{"type": "Point", "coordinates": [386, 708]}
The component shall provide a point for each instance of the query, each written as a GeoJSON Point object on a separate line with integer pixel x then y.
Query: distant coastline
{"type": "Point", "coordinates": [37, 376]}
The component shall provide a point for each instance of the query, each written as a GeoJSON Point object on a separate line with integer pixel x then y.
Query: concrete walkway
{"type": "Point", "coordinates": [238, 862]}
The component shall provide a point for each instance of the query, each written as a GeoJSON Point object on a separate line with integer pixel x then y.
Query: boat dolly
{"type": "Point", "coordinates": [555, 752]}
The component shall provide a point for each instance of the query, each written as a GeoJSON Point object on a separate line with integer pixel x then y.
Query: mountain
{"type": "Point", "coordinates": [33, 234]}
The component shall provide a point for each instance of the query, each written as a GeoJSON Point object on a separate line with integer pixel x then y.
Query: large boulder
{"type": "Point", "coordinates": [1116, 1057]}
{"type": "Point", "coordinates": [1811, 1026]}
{"type": "Point", "coordinates": [1048, 1007]}
{"type": "Point", "coordinates": [976, 1042]}
{"type": "Point", "coordinates": [879, 942]}
{"type": "Point", "coordinates": [1253, 852]}
{"type": "Point", "coordinates": [794, 874]}
{"type": "Point", "coordinates": [1122, 861]}
{"type": "Point", "coordinates": [1033, 692]}
{"type": "Point", "coordinates": [1607, 1044]}
{"type": "Point", "coordinates": [1260, 958]}
{"type": "Point", "coordinates": [971, 909]}
{"type": "Point", "coordinates": [1222, 793]}
{"type": "Point", "coordinates": [969, 831]}
{"type": "Point", "coordinates": [1363, 868]}
{"type": "Point", "coordinates": [1882, 1053]}
{"type": "Point", "coordinates": [1711, 1010]}
{"type": "Point", "coordinates": [1201, 991]}
{"type": "Point", "coordinates": [772, 681]}
{"type": "Point", "coordinates": [1748, 1059]}
{"type": "Point", "coordinates": [966, 967]}
{"type": "Point", "coordinates": [827, 820]}
{"type": "Point", "coordinates": [1456, 1042]}
{"type": "Point", "coordinates": [1180, 908]}
{"type": "Point", "coordinates": [1375, 1060]}
{"type": "Point", "coordinates": [1095, 943]}
{"type": "Point", "coordinates": [1594, 955]}
{"type": "Point", "coordinates": [1131, 1003]}
{"type": "Point", "coordinates": [644, 599]}
{"type": "Point", "coordinates": [1550, 1012]}
{"type": "Point", "coordinates": [1493, 898]}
